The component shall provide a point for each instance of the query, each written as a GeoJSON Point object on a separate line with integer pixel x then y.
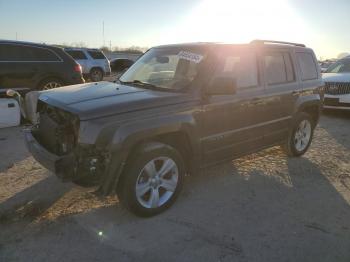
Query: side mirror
{"type": "Point", "coordinates": [11, 93]}
{"type": "Point", "coordinates": [222, 86]}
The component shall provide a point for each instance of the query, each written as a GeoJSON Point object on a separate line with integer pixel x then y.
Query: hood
{"type": "Point", "coordinates": [336, 77]}
{"type": "Point", "coordinates": [100, 99]}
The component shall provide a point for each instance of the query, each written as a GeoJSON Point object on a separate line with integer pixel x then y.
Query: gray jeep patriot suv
{"type": "Point", "coordinates": [178, 108]}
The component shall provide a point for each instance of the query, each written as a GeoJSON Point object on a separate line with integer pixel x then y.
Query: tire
{"type": "Point", "coordinates": [96, 75]}
{"type": "Point", "coordinates": [143, 188]}
{"type": "Point", "coordinates": [50, 83]}
{"type": "Point", "coordinates": [300, 136]}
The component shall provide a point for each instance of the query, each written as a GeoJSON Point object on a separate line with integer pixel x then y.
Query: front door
{"type": "Point", "coordinates": [231, 125]}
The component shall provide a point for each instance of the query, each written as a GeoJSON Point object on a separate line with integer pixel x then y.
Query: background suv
{"type": "Point", "coordinates": [36, 66]}
{"type": "Point", "coordinates": [94, 63]}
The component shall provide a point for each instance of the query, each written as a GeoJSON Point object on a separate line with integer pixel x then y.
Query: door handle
{"type": "Point", "coordinates": [256, 101]}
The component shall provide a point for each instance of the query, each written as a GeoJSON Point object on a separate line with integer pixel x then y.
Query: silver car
{"type": "Point", "coordinates": [94, 63]}
{"type": "Point", "coordinates": [337, 85]}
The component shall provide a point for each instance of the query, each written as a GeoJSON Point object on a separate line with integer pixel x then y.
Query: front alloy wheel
{"type": "Point", "coordinates": [152, 179]}
{"type": "Point", "coordinates": [157, 182]}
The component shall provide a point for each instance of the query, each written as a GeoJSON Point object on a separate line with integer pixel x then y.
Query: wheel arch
{"type": "Point", "coordinates": [97, 67]}
{"type": "Point", "coordinates": [41, 80]}
{"type": "Point", "coordinates": [127, 140]}
{"type": "Point", "coordinates": [311, 106]}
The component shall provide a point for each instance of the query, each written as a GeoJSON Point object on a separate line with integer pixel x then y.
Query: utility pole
{"type": "Point", "coordinates": [110, 46]}
{"type": "Point", "coordinates": [103, 32]}
{"type": "Point", "coordinates": [16, 36]}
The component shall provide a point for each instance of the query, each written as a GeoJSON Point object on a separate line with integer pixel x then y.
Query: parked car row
{"type": "Point", "coordinates": [36, 66]}
{"type": "Point", "coordinates": [42, 67]}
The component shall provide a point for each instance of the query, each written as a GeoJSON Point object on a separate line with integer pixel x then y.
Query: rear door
{"type": "Point", "coordinates": [17, 66]}
{"type": "Point", "coordinates": [281, 92]}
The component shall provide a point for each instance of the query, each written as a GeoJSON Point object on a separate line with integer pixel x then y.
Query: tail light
{"type": "Point", "coordinates": [77, 68]}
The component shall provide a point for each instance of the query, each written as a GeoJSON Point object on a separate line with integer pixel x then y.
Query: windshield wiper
{"type": "Point", "coordinates": [142, 84]}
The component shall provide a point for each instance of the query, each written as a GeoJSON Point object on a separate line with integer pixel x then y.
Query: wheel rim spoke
{"type": "Point", "coordinates": [150, 169]}
{"type": "Point", "coordinates": [169, 184]}
{"type": "Point", "coordinates": [142, 189]}
{"type": "Point", "coordinates": [167, 166]}
{"type": "Point", "coordinates": [154, 198]}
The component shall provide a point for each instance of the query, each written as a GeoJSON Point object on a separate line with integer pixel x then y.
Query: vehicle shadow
{"type": "Point", "coordinates": [335, 120]}
{"type": "Point", "coordinates": [12, 147]}
{"type": "Point", "coordinates": [30, 203]}
{"type": "Point", "coordinates": [258, 208]}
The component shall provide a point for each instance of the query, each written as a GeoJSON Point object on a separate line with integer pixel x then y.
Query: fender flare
{"type": "Point", "coordinates": [128, 136]}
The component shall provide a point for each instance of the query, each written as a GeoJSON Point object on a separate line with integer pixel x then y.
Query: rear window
{"type": "Point", "coordinates": [278, 68]}
{"type": "Point", "coordinates": [23, 53]}
{"type": "Point", "coordinates": [307, 66]}
{"type": "Point", "coordinates": [77, 55]}
{"type": "Point", "coordinates": [43, 54]}
{"type": "Point", "coordinates": [96, 54]}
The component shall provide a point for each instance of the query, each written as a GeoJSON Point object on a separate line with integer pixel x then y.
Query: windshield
{"type": "Point", "coordinates": [171, 69]}
{"type": "Point", "coordinates": [342, 66]}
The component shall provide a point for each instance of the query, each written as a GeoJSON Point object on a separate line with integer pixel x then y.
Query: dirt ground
{"type": "Point", "coordinates": [262, 207]}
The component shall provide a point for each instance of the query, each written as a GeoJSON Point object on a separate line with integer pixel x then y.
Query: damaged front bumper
{"type": "Point", "coordinates": [72, 167]}
{"type": "Point", "coordinates": [63, 166]}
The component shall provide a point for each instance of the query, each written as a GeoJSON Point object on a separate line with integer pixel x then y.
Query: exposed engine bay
{"type": "Point", "coordinates": [58, 132]}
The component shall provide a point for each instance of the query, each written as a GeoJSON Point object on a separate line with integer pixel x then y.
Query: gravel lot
{"type": "Point", "coordinates": [263, 207]}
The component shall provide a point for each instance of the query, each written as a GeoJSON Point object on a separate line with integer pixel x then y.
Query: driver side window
{"type": "Point", "coordinates": [242, 66]}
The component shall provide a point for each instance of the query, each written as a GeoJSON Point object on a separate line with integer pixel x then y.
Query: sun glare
{"type": "Point", "coordinates": [240, 21]}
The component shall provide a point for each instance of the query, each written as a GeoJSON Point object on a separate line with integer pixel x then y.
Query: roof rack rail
{"type": "Point", "coordinates": [276, 42]}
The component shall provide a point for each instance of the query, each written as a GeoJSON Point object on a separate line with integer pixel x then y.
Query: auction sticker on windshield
{"type": "Point", "coordinates": [193, 57]}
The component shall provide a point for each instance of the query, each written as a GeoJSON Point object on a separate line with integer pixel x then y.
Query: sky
{"type": "Point", "coordinates": [322, 25]}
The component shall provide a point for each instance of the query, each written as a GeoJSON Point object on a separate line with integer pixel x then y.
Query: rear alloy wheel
{"type": "Point", "coordinates": [152, 180]}
{"type": "Point", "coordinates": [301, 136]}
{"type": "Point", "coordinates": [50, 84]}
{"type": "Point", "coordinates": [96, 75]}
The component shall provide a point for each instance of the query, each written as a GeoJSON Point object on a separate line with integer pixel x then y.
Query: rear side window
{"type": "Point", "coordinates": [307, 66]}
{"type": "Point", "coordinates": [9, 53]}
{"type": "Point", "coordinates": [240, 65]}
{"type": "Point", "coordinates": [42, 54]}
{"type": "Point", "coordinates": [77, 55]}
{"type": "Point", "coordinates": [278, 68]}
{"type": "Point", "coordinates": [96, 55]}
{"type": "Point", "coordinates": [22, 53]}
